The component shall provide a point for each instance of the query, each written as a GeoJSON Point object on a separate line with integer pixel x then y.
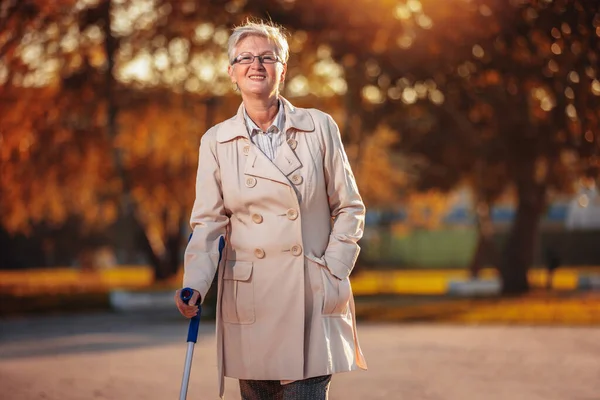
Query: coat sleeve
{"type": "Point", "coordinates": [208, 220]}
{"type": "Point", "coordinates": [346, 206]}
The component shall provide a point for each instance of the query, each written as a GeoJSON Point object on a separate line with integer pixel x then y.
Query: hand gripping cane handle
{"type": "Point", "coordinates": [186, 294]}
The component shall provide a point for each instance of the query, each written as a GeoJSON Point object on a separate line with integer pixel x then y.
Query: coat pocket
{"type": "Point", "coordinates": [336, 294]}
{"type": "Point", "coordinates": [237, 302]}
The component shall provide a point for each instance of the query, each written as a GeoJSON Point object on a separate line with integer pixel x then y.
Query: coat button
{"type": "Point", "coordinates": [250, 181]}
{"type": "Point", "coordinates": [292, 214]}
{"type": "Point", "coordinates": [259, 253]}
{"type": "Point", "coordinates": [246, 150]}
{"type": "Point", "coordinates": [293, 143]}
{"type": "Point", "coordinates": [257, 218]}
{"type": "Point", "coordinates": [296, 250]}
{"type": "Point", "coordinates": [296, 179]}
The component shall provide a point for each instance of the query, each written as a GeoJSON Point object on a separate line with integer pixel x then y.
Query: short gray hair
{"type": "Point", "coordinates": [272, 32]}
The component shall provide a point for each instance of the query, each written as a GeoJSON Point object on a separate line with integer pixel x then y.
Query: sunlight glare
{"type": "Point", "coordinates": [402, 12]}
{"type": "Point", "coordinates": [421, 90]}
{"type": "Point", "coordinates": [414, 5]}
{"type": "Point", "coordinates": [571, 111]}
{"type": "Point", "coordinates": [136, 69]}
{"type": "Point", "coordinates": [424, 21]}
{"type": "Point", "coordinates": [574, 76]}
{"type": "Point", "coordinates": [596, 87]}
{"type": "Point", "coordinates": [553, 66]}
{"type": "Point", "coordinates": [298, 86]}
{"type": "Point", "coordinates": [221, 36]}
{"type": "Point", "coordinates": [32, 53]}
{"type": "Point", "coordinates": [179, 49]}
{"type": "Point", "coordinates": [547, 104]}
{"type": "Point", "coordinates": [327, 67]}
{"type": "Point", "coordinates": [206, 72]}
{"type": "Point", "coordinates": [372, 94]}
{"type": "Point", "coordinates": [569, 93]}
{"type": "Point", "coordinates": [589, 136]}
{"type": "Point", "coordinates": [161, 59]}
{"type": "Point", "coordinates": [404, 41]}
{"type": "Point", "coordinates": [324, 51]}
{"type": "Point", "coordinates": [94, 34]}
{"type": "Point", "coordinates": [192, 84]}
{"type": "Point", "coordinates": [70, 41]}
{"type": "Point", "coordinates": [339, 86]}
{"type": "Point", "coordinates": [436, 97]}
{"type": "Point", "coordinates": [478, 51]}
{"type": "Point", "coordinates": [394, 93]}
{"type": "Point", "coordinates": [203, 32]}
{"type": "Point", "coordinates": [409, 95]}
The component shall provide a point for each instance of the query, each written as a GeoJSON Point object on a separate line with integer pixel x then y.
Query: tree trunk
{"type": "Point", "coordinates": [485, 246]}
{"type": "Point", "coordinates": [164, 264]}
{"type": "Point", "coordinates": [169, 264]}
{"type": "Point", "coordinates": [477, 260]}
{"type": "Point", "coordinates": [519, 250]}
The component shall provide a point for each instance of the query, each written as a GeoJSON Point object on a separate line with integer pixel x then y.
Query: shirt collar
{"type": "Point", "coordinates": [295, 118]}
{"type": "Point", "coordinates": [276, 127]}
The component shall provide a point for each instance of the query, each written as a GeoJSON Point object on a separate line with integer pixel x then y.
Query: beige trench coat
{"type": "Point", "coordinates": [285, 308]}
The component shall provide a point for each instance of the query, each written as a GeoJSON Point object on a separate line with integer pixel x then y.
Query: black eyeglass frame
{"type": "Point", "coordinates": [261, 59]}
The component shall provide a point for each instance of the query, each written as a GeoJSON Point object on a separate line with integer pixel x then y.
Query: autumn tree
{"type": "Point", "coordinates": [502, 96]}
{"type": "Point", "coordinates": [88, 132]}
{"type": "Point", "coordinates": [525, 103]}
{"type": "Point", "coordinates": [104, 103]}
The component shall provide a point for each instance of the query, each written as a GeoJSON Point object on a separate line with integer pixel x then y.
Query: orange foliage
{"type": "Point", "coordinates": [380, 178]}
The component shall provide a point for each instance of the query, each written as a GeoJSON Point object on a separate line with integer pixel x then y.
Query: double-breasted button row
{"type": "Point", "coordinates": [250, 181]}
{"type": "Point", "coordinates": [257, 218]}
{"type": "Point", "coordinates": [296, 250]}
{"type": "Point", "coordinates": [291, 214]}
{"type": "Point", "coordinates": [259, 253]}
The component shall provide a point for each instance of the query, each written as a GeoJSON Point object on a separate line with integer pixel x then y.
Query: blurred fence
{"type": "Point", "coordinates": [453, 247]}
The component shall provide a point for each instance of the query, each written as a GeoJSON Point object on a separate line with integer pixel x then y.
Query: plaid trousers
{"type": "Point", "coordinates": [316, 388]}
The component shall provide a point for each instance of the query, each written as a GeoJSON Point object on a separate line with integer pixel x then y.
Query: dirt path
{"type": "Point", "coordinates": [111, 356]}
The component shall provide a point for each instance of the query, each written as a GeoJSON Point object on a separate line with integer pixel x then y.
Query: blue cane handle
{"type": "Point", "coordinates": [186, 294]}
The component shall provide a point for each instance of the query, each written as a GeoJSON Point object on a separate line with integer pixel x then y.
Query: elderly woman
{"type": "Point", "coordinates": [275, 183]}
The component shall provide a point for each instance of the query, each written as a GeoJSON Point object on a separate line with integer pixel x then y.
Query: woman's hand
{"type": "Point", "coordinates": [187, 310]}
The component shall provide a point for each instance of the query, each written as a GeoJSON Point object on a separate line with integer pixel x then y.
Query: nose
{"type": "Point", "coordinates": [257, 60]}
{"type": "Point", "coordinates": [257, 63]}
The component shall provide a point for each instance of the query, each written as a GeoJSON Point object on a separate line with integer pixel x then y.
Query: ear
{"type": "Point", "coordinates": [283, 71]}
{"type": "Point", "coordinates": [230, 73]}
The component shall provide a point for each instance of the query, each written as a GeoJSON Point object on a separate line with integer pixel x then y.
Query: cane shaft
{"type": "Point", "coordinates": [186, 371]}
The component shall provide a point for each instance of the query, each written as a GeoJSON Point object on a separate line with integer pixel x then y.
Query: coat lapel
{"type": "Point", "coordinates": [258, 164]}
{"type": "Point", "coordinates": [286, 160]}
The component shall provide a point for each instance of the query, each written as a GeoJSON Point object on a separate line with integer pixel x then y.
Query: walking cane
{"type": "Point", "coordinates": [186, 294]}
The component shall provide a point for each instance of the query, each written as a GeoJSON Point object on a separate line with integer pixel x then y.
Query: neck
{"type": "Point", "coordinates": [262, 111]}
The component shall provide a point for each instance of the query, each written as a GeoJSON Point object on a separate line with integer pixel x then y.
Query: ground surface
{"type": "Point", "coordinates": [125, 356]}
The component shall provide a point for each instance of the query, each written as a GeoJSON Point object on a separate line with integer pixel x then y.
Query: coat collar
{"type": "Point", "coordinates": [295, 118]}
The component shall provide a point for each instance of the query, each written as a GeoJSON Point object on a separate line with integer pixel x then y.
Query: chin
{"type": "Point", "coordinates": [260, 91]}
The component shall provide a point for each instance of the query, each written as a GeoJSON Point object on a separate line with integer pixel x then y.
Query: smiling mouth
{"type": "Point", "coordinates": [257, 78]}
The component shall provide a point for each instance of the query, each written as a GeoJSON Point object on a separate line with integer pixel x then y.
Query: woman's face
{"type": "Point", "coordinates": [259, 79]}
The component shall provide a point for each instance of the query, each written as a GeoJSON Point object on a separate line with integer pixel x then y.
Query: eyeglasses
{"type": "Point", "coordinates": [248, 58]}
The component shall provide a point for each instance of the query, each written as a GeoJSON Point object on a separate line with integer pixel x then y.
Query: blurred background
{"type": "Point", "coordinates": [472, 127]}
